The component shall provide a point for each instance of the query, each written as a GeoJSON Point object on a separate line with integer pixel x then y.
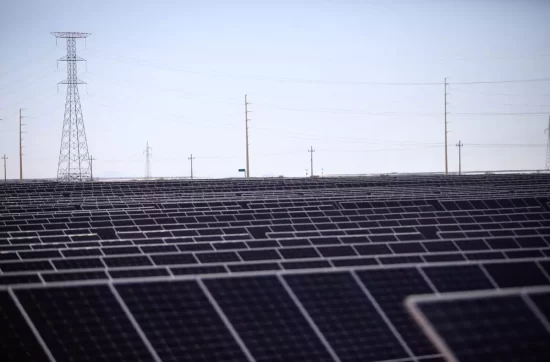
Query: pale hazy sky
{"type": "Point", "coordinates": [174, 73]}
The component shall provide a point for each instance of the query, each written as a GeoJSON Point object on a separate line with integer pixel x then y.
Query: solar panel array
{"type": "Point", "coordinates": [258, 270]}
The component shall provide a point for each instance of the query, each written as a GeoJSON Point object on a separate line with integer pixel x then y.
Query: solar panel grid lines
{"type": "Point", "coordinates": [458, 233]}
{"type": "Point", "coordinates": [83, 263]}
{"type": "Point", "coordinates": [136, 269]}
{"type": "Point", "coordinates": [82, 322]}
{"type": "Point", "coordinates": [523, 242]}
{"type": "Point", "coordinates": [309, 319]}
{"type": "Point", "coordinates": [136, 326]}
{"type": "Point", "coordinates": [501, 324]}
{"type": "Point", "coordinates": [23, 346]}
{"type": "Point", "coordinates": [537, 302]}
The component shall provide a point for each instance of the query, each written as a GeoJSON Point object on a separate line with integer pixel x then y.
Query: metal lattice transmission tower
{"type": "Point", "coordinates": [74, 160]}
{"type": "Point", "coordinates": [547, 131]}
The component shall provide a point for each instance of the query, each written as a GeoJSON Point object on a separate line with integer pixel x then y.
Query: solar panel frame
{"type": "Point", "coordinates": [413, 303]}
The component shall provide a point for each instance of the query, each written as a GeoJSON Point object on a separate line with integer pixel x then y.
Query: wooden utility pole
{"type": "Point", "coordinates": [5, 177]}
{"type": "Point", "coordinates": [311, 150]}
{"type": "Point", "coordinates": [191, 158]}
{"type": "Point", "coordinates": [92, 167]}
{"type": "Point", "coordinates": [446, 158]}
{"type": "Point", "coordinates": [21, 143]}
{"type": "Point", "coordinates": [246, 120]}
{"type": "Point", "coordinates": [459, 145]}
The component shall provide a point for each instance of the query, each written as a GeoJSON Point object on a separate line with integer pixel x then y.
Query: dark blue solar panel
{"type": "Point", "coordinates": [17, 342]}
{"type": "Point", "coordinates": [457, 278]}
{"type": "Point", "coordinates": [519, 274]}
{"type": "Point", "coordinates": [489, 329]}
{"type": "Point", "coordinates": [180, 322]}
{"type": "Point", "coordinates": [356, 332]}
{"type": "Point", "coordinates": [267, 319]}
{"type": "Point", "coordinates": [542, 302]}
{"type": "Point", "coordinates": [390, 287]}
{"type": "Point", "coordinates": [83, 323]}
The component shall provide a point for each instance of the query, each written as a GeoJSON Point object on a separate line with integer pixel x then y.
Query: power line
{"type": "Point", "coordinates": [20, 66]}
{"type": "Point", "coordinates": [500, 114]}
{"type": "Point", "coordinates": [315, 81]}
{"type": "Point", "coordinates": [507, 145]}
{"type": "Point", "coordinates": [534, 80]}
{"type": "Point", "coordinates": [352, 111]}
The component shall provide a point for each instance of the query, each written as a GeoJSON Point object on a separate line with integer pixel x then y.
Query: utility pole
{"type": "Point", "coordinates": [148, 155]}
{"type": "Point", "coordinates": [306, 172]}
{"type": "Point", "coordinates": [459, 145]}
{"type": "Point", "coordinates": [191, 158]}
{"type": "Point", "coordinates": [446, 158]}
{"type": "Point", "coordinates": [547, 131]}
{"type": "Point", "coordinates": [311, 150]}
{"type": "Point", "coordinates": [246, 120]}
{"type": "Point", "coordinates": [21, 124]}
{"type": "Point", "coordinates": [5, 174]}
{"type": "Point", "coordinates": [92, 159]}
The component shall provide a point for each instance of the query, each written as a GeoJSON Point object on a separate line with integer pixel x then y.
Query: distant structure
{"type": "Point", "coordinates": [191, 158]}
{"type": "Point", "coordinates": [148, 155]}
{"type": "Point", "coordinates": [5, 174]}
{"type": "Point", "coordinates": [74, 160]}
{"type": "Point", "coordinates": [547, 131]}
{"type": "Point", "coordinates": [311, 150]}
{"type": "Point", "coordinates": [460, 145]}
{"type": "Point", "coordinates": [246, 121]}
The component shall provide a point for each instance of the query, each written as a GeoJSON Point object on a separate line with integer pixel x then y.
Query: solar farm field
{"type": "Point", "coordinates": [388, 269]}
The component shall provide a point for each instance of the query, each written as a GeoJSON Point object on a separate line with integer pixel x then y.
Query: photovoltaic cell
{"type": "Point", "coordinates": [266, 318]}
{"type": "Point", "coordinates": [457, 278]}
{"type": "Point", "coordinates": [497, 328]}
{"type": "Point", "coordinates": [390, 287]}
{"type": "Point", "coordinates": [542, 301]}
{"type": "Point", "coordinates": [346, 317]}
{"type": "Point", "coordinates": [520, 274]}
{"type": "Point", "coordinates": [17, 342]}
{"type": "Point", "coordinates": [83, 323]}
{"type": "Point", "coordinates": [180, 322]}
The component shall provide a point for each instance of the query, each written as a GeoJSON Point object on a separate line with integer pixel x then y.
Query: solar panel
{"type": "Point", "coordinates": [267, 319]}
{"type": "Point", "coordinates": [457, 279]}
{"type": "Point", "coordinates": [180, 322]}
{"type": "Point", "coordinates": [486, 326]}
{"type": "Point", "coordinates": [389, 287]}
{"type": "Point", "coordinates": [83, 322]}
{"type": "Point", "coordinates": [17, 341]}
{"type": "Point", "coordinates": [346, 317]}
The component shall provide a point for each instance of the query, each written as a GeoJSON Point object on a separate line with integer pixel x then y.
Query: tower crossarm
{"type": "Point", "coordinates": [70, 34]}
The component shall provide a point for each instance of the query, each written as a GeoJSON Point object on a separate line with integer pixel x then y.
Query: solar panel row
{"type": "Point", "coordinates": [261, 270]}
{"type": "Point", "coordinates": [344, 315]}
